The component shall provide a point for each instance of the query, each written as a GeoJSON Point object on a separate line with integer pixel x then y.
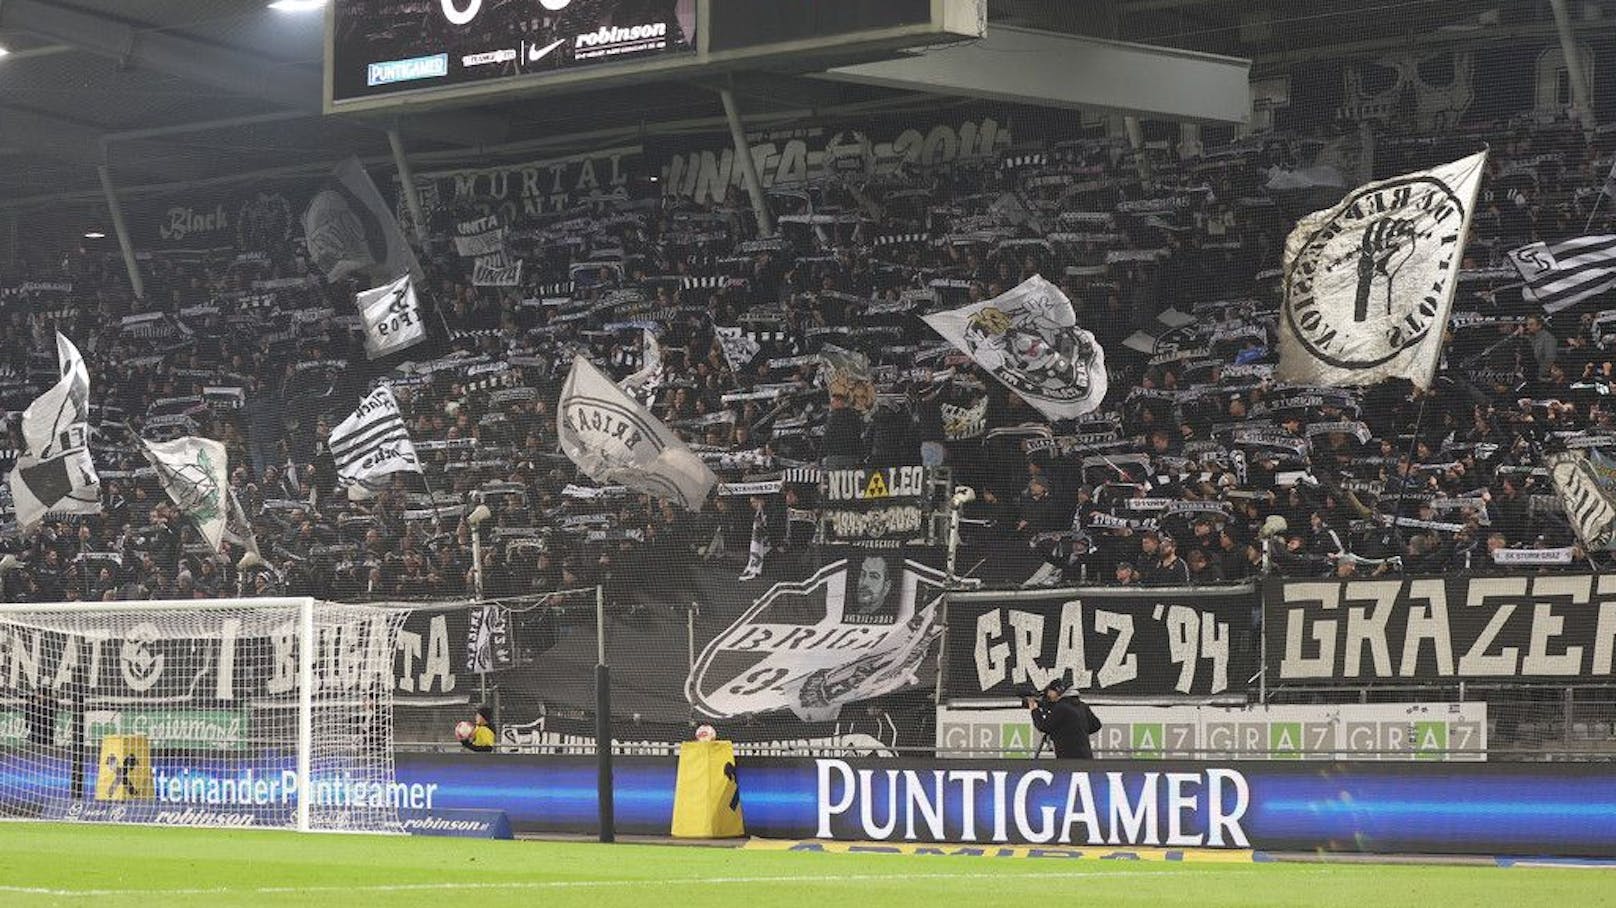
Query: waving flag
{"type": "Point", "coordinates": [1028, 338]}
{"type": "Point", "coordinates": [645, 382]}
{"type": "Point", "coordinates": [373, 442]}
{"type": "Point", "coordinates": [1586, 482]}
{"type": "Point", "coordinates": [1559, 275]}
{"type": "Point", "coordinates": [392, 318]}
{"type": "Point", "coordinates": [1369, 282]}
{"type": "Point", "coordinates": [195, 474]}
{"type": "Point", "coordinates": [54, 472]}
{"type": "Point", "coordinates": [615, 440]}
{"type": "Point", "coordinates": [350, 230]}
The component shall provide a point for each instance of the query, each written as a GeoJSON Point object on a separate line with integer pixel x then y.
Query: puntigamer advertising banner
{"type": "Point", "coordinates": [1093, 808]}
{"type": "Point", "coordinates": [1119, 642]}
{"type": "Point", "coordinates": [1533, 628]}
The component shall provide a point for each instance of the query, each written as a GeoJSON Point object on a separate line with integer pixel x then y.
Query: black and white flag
{"type": "Point", "coordinates": [965, 422]}
{"type": "Point", "coordinates": [373, 442]}
{"type": "Point", "coordinates": [195, 474]}
{"type": "Point", "coordinates": [644, 383]}
{"type": "Point", "coordinates": [479, 237]}
{"type": "Point", "coordinates": [496, 271]}
{"type": "Point", "coordinates": [1170, 333]}
{"type": "Point", "coordinates": [1559, 275]}
{"type": "Point", "coordinates": [758, 549]}
{"type": "Point", "coordinates": [391, 316]}
{"type": "Point", "coordinates": [54, 472]}
{"type": "Point", "coordinates": [739, 347]}
{"type": "Point", "coordinates": [351, 231]}
{"type": "Point", "coordinates": [1369, 282]}
{"type": "Point", "coordinates": [1586, 482]}
{"type": "Point", "coordinates": [1028, 338]}
{"type": "Point", "coordinates": [615, 441]}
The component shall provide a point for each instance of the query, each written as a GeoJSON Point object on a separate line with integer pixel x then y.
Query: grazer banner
{"type": "Point", "coordinates": [1139, 642]}
{"type": "Point", "coordinates": [1547, 628]}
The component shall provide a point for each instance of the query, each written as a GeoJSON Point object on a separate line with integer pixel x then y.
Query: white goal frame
{"type": "Point", "coordinates": [308, 643]}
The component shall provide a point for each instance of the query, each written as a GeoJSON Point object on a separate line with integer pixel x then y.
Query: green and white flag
{"type": "Point", "coordinates": [195, 474]}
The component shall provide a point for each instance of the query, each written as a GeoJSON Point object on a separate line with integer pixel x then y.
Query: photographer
{"type": "Point", "coordinates": [1066, 722]}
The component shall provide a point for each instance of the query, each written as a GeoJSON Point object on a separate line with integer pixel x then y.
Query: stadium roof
{"type": "Point", "coordinates": [168, 91]}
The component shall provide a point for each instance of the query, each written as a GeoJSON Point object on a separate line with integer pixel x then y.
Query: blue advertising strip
{"type": "Point", "coordinates": [1562, 810]}
{"type": "Point", "coordinates": [546, 793]}
{"type": "Point", "coordinates": [1558, 809]}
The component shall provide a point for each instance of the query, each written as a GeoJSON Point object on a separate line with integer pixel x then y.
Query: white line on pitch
{"type": "Point", "coordinates": [593, 884]}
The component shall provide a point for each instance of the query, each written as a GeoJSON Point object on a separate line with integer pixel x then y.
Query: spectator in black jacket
{"type": "Point", "coordinates": [1169, 569]}
{"type": "Point", "coordinates": [844, 436]}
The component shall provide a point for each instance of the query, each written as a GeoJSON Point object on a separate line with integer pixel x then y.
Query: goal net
{"type": "Point", "coordinates": [253, 712]}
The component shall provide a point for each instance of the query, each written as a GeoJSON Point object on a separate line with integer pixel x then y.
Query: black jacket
{"type": "Point", "coordinates": [1068, 723]}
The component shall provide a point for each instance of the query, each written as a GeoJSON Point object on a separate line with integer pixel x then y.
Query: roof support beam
{"type": "Point", "coordinates": [194, 61]}
{"type": "Point", "coordinates": [1028, 66]}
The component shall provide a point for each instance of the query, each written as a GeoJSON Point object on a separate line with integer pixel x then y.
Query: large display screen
{"type": "Point", "coordinates": [387, 47]}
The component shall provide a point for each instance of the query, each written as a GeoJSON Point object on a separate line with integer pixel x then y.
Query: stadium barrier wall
{"type": "Point", "coordinates": [1509, 809]}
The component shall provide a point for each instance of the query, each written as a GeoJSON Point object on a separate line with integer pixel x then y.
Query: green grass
{"type": "Point", "coordinates": [48, 864]}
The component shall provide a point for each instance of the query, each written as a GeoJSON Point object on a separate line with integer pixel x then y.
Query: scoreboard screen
{"type": "Point", "coordinates": [387, 48]}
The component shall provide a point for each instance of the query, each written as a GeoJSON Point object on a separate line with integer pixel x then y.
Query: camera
{"type": "Point", "coordinates": [1026, 691]}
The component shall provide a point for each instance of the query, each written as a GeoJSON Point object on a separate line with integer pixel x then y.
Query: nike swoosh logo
{"type": "Point", "coordinates": [535, 54]}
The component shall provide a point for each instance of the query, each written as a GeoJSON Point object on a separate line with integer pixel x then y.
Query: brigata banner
{"type": "Point", "coordinates": [1542, 628]}
{"type": "Point", "coordinates": [1136, 642]}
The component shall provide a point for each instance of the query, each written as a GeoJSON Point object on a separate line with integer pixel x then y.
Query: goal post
{"type": "Point", "coordinates": [272, 712]}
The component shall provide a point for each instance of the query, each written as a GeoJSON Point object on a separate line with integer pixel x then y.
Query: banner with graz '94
{"type": "Point", "coordinates": [1138, 642]}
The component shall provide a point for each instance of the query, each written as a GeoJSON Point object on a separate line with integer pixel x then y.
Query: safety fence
{"type": "Point", "coordinates": [1462, 668]}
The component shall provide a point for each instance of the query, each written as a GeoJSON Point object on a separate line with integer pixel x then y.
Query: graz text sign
{"type": "Point", "coordinates": [1553, 627]}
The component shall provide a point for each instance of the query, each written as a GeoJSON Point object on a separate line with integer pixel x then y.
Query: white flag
{"type": "Point", "coordinates": [54, 471]}
{"type": "Point", "coordinates": [645, 382]}
{"type": "Point", "coordinates": [1029, 339]}
{"type": "Point", "coordinates": [1586, 482]}
{"type": "Point", "coordinates": [195, 474]}
{"type": "Point", "coordinates": [615, 440]}
{"type": "Point", "coordinates": [237, 528]}
{"type": "Point", "coordinates": [373, 442]}
{"type": "Point", "coordinates": [392, 318]}
{"type": "Point", "coordinates": [739, 347]}
{"type": "Point", "coordinates": [350, 230]}
{"type": "Point", "coordinates": [1369, 282]}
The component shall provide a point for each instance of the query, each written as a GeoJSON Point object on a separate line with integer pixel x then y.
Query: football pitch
{"type": "Point", "coordinates": [47, 864]}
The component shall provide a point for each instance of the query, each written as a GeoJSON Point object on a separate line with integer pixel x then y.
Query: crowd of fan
{"type": "Point", "coordinates": [1196, 469]}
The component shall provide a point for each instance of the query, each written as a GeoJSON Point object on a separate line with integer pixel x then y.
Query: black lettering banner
{"type": "Point", "coordinates": [1116, 642]}
{"type": "Point", "coordinates": [1556, 627]}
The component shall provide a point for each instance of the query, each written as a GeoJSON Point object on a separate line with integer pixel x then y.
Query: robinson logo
{"type": "Point", "coordinates": [1369, 283]}
{"type": "Point", "coordinates": [612, 34]}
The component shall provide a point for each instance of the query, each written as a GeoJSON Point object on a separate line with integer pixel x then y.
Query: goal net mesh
{"type": "Point", "coordinates": [197, 714]}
